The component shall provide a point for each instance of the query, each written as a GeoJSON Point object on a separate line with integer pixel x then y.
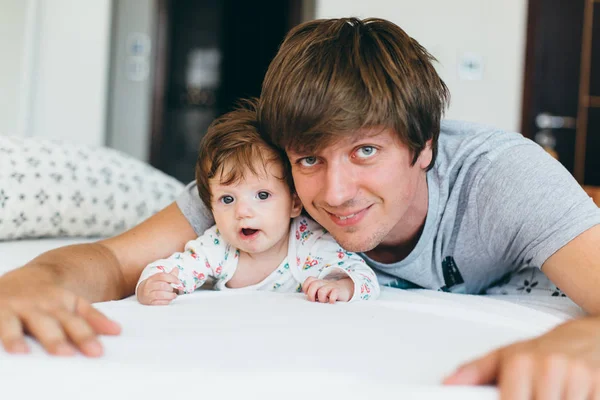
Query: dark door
{"type": "Point", "coordinates": [552, 83]}
{"type": "Point", "coordinates": [210, 54]}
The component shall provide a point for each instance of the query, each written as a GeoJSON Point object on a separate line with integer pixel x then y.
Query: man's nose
{"type": "Point", "coordinates": [340, 185]}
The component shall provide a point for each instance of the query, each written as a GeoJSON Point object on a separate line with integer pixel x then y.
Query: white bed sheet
{"type": "Point", "coordinates": [266, 345]}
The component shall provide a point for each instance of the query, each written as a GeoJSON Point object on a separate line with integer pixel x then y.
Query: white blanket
{"type": "Point", "coordinates": [265, 345]}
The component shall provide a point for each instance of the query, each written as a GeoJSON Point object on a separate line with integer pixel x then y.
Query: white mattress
{"type": "Point", "coordinates": [265, 345]}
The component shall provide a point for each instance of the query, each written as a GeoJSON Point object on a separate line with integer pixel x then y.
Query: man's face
{"type": "Point", "coordinates": [363, 189]}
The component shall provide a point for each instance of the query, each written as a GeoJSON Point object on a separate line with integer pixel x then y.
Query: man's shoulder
{"type": "Point", "coordinates": [463, 133]}
{"type": "Point", "coordinates": [468, 144]}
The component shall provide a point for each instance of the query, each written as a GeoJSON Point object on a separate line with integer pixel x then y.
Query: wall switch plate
{"type": "Point", "coordinates": [470, 67]}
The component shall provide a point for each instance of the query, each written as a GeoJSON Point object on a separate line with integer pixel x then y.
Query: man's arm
{"type": "Point", "coordinates": [575, 269]}
{"type": "Point", "coordinates": [49, 297]}
{"type": "Point", "coordinates": [565, 362]}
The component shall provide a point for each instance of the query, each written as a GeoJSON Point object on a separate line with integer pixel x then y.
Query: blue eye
{"type": "Point", "coordinates": [227, 199]}
{"type": "Point", "coordinates": [366, 151]}
{"type": "Point", "coordinates": [308, 161]}
{"type": "Point", "coordinates": [263, 195]}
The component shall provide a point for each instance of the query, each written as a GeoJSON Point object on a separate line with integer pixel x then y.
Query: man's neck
{"type": "Point", "coordinates": [403, 238]}
{"type": "Point", "coordinates": [389, 254]}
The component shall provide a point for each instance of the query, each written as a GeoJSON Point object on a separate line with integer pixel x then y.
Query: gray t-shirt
{"type": "Point", "coordinates": [497, 203]}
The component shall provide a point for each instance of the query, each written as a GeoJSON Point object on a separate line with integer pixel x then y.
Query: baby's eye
{"type": "Point", "coordinates": [366, 151]}
{"type": "Point", "coordinates": [227, 199]}
{"type": "Point", "coordinates": [263, 195]}
{"type": "Point", "coordinates": [308, 161]}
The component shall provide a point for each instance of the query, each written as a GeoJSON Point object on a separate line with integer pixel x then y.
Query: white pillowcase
{"type": "Point", "coordinates": [54, 189]}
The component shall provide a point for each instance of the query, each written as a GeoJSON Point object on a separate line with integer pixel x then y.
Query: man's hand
{"type": "Point", "coordinates": [60, 320]}
{"type": "Point", "coordinates": [562, 364]}
{"type": "Point", "coordinates": [328, 291]}
{"type": "Point", "coordinates": [157, 290]}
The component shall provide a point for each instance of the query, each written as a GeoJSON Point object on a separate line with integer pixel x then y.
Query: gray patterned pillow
{"type": "Point", "coordinates": [50, 189]}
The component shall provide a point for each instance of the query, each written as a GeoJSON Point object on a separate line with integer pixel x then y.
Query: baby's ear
{"type": "Point", "coordinates": [296, 206]}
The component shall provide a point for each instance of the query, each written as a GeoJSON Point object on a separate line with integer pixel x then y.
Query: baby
{"type": "Point", "coordinates": [260, 240]}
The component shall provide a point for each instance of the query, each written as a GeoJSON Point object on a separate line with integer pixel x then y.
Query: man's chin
{"type": "Point", "coordinates": [355, 244]}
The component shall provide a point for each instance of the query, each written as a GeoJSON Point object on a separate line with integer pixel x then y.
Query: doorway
{"type": "Point", "coordinates": [552, 97]}
{"type": "Point", "coordinates": [209, 55]}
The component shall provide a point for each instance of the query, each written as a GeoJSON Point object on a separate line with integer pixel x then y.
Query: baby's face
{"type": "Point", "coordinates": [253, 214]}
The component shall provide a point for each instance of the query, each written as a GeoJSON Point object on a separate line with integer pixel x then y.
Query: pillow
{"type": "Point", "coordinates": [55, 189]}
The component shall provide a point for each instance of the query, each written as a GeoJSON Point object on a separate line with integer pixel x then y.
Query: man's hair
{"type": "Point", "coordinates": [335, 76]}
{"type": "Point", "coordinates": [234, 139]}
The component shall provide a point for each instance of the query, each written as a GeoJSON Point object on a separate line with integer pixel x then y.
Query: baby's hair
{"type": "Point", "coordinates": [234, 139]}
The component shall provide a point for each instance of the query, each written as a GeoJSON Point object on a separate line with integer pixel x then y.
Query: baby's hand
{"type": "Point", "coordinates": [324, 291]}
{"type": "Point", "coordinates": [157, 289]}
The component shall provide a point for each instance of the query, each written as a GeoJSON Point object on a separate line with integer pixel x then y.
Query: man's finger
{"type": "Point", "coordinates": [551, 375]}
{"type": "Point", "coordinates": [483, 371]}
{"type": "Point", "coordinates": [47, 330]}
{"type": "Point", "coordinates": [80, 333]}
{"type": "Point", "coordinates": [98, 321]}
{"type": "Point", "coordinates": [11, 334]}
{"type": "Point", "coordinates": [516, 379]}
{"type": "Point", "coordinates": [579, 383]}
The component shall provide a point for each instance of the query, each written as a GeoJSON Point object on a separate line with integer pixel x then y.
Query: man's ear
{"type": "Point", "coordinates": [426, 155]}
{"type": "Point", "coordinates": [296, 206]}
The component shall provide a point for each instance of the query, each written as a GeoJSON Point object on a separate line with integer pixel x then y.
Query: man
{"type": "Point", "coordinates": [357, 107]}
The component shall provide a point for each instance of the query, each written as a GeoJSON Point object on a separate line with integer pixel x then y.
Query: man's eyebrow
{"type": "Point", "coordinates": [368, 133]}
{"type": "Point", "coordinates": [360, 135]}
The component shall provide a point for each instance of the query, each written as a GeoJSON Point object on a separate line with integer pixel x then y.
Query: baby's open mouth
{"type": "Point", "coordinates": [249, 231]}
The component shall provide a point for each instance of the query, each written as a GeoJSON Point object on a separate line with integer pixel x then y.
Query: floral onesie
{"type": "Point", "coordinates": [311, 252]}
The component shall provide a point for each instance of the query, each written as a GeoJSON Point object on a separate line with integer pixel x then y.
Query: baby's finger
{"type": "Point", "coordinates": [160, 302]}
{"type": "Point", "coordinates": [164, 277]}
{"type": "Point", "coordinates": [311, 290]}
{"type": "Point", "coordinates": [307, 283]}
{"type": "Point", "coordinates": [333, 295]}
{"type": "Point", "coordinates": [161, 295]}
{"type": "Point", "coordinates": [160, 286]}
{"type": "Point", "coordinates": [323, 293]}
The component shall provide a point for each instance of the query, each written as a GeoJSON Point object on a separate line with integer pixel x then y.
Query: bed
{"type": "Point", "coordinates": [267, 345]}
{"type": "Point", "coordinates": [240, 344]}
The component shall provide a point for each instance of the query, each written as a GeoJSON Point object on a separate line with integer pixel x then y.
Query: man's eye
{"type": "Point", "coordinates": [263, 195]}
{"type": "Point", "coordinates": [227, 199]}
{"type": "Point", "coordinates": [308, 161]}
{"type": "Point", "coordinates": [366, 151]}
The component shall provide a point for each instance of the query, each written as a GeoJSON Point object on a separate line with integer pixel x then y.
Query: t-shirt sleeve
{"type": "Point", "coordinates": [194, 209]}
{"type": "Point", "coordinates": [529, 206]}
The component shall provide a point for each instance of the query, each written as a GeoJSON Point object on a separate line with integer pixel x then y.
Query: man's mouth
{"type": "Point", "coordinates": [348, 219]}
{"type": "Point", "coordinates": [345, 217]}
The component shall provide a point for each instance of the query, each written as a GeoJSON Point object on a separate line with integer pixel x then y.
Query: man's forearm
{"type": "Point", "coordinates": [88, 270]}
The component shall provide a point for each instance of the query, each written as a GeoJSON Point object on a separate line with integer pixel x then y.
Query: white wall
{"type": "Point", "coordinates": [71, 72]}
{"type": "Point", "coordinates": [54, 69]}
{"type": "Point", "coordinates": [13, 15]}
{"type": "Point", "coordinates": [494, 30]}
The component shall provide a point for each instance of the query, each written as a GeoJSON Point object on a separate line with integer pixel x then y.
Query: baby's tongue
{"type": "Point", "coordinates": [248, 231]}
